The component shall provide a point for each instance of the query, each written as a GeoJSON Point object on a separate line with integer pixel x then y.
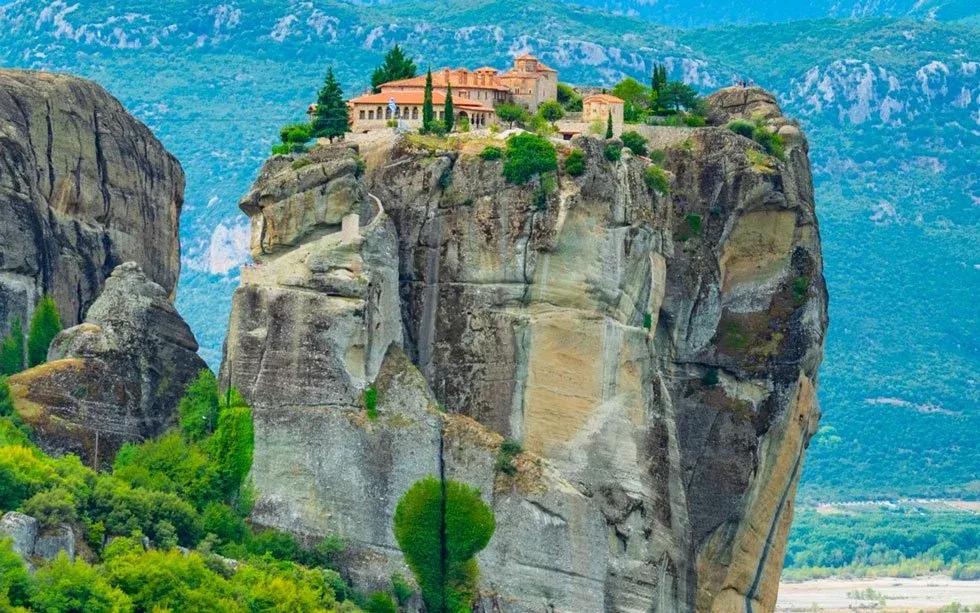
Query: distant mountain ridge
{"type": "Point", "coordinates": [890, 107]}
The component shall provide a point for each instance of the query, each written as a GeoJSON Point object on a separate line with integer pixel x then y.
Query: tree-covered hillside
{"type": "Point", "coordinates": [890, 107]}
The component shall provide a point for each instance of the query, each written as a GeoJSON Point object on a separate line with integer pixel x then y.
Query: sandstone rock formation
{"type": "Point", "coordinates": [655, 354]}
{"type": "Point", "coordinates": [83, 187]}
{"type": "Point", "coordinates": [116, 377]}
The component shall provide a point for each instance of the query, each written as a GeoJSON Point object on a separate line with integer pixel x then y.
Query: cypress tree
{"type": "Point", "coordinates": [609, 129]}
{"type": "Point", "coordinates": [45, 324]}
{"type": "Point", "coordinates": [12, 349]}
{"type": "Point", "coordinates": [448, 109]}
{"type": "Point", "coordinates": [330, 120]}
{"type": "Point", "coordinates": [427, 112]}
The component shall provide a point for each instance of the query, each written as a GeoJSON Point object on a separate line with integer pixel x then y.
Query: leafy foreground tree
{"type": "Point", "coordinates": [396, 66]}
{"type": "Point", "coordinates": [511, 113]}
{"type": "Point", "coordinates": [45, 324]}
{"type": "Point", "coordinates": [12, 349]}
{"type": "Point", "coordinates": [551, 111]}
{"type": "Point", "coordinates": [440, 527]}
{"type": "Point", "coordinates": [330, 119]}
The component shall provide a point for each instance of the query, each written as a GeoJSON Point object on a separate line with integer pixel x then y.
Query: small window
{"type": "Point", "coordinates": [361, 114]}
{"type": "Point", "coordinates": [370, 114]}
{"type": "Point", "coordinates": [415, 112]}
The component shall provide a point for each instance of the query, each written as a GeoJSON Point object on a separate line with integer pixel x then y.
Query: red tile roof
{"type": "Point", "coordinates": [607, 98]}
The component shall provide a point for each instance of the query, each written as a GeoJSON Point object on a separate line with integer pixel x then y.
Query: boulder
{"type": "Point", "coordinates": [55, 540]}
{"type": "Point", "coordinates": [22, 530]}
{"type": "Point", "coordinates": [114, 378]}
{"type": "Point", "coordinates": [83, 187]}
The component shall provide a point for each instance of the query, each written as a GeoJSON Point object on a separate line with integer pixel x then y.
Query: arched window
{"type": "Point", "coordinates": [370, 114]}
{"type": "Point", "coordinates": [415, 112]}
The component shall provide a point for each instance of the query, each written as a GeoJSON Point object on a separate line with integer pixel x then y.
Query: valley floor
{"type": "Point", "coordinates": [899, 594]}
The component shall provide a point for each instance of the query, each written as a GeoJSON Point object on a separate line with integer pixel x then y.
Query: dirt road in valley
{"type": "Point", "coordinates": [914, 594]}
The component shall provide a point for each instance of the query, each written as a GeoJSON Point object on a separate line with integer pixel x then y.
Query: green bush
{"type": "Point", "coordinates": [658, 156]}
{"type": "Point", "coordinates": [613, 152]}
{"type": "Point", "coordinates": [710, 377]}
{"type": "Point", "coordinates": [198, 407]}
{"type": "Point", "coordinates": [401, 589]}
{"type": "Point", "coordinates": [691, 227]}
{"type": "Point", "coordinates": [124, 509]}
{"type": "Point", "coordinates": [23, 473]}
{"type": "Point", "coordinates": [232, 446]}
{"type": "Point", "coordinates": [693, 121]}
{"type": "Point", "coordinates": [656, 179]}
{"type": "Point", "coordinates": [801, 287]}
{"type": "Point", "coordinates": [370, 401]}
{"type": "Point", "coordinates": [12, 349]}
{"type": "Point", "coordinates": [635, 142]}
{"type": "Point", "coordinates": [527, 155]}
{"type": "Point", "coordinates": [281, 149]}
{"type": "Point", "coordinates": [433, 517]}
{"type": "Point", "coordinates": [220, 520]}
{"type": "Point", "coordinates": [648, 320]}
{"type": "Point", "coordinates": [492, 153]}
{"type": "Point", "coordinates": [52, 507]}
{"type": "Point", "coordinates": [67, 587]}
{"type": "Point", "coordinates": [742, 127]}
{"type": "Point", "coordinates": [296, 133]}
{"type": "Point", "coordinates": [279, 545]}
{"type": "Point", "coordinates": [16, 584]}
{"type": "Point", "coordinates": [770, 141]}
{"type": "Point", "coordinates": [575, 163]}
{"type": "Point", "coordinates": [380, 602]}
{"type": "Point", "coordinates": [509, 449]}
{"type": "Point", "coordinates": [551, 110]}
{"type": "Point", "coordinates": [45, 324]}
{"type": "Point", "coordinates": [6, 399]}
{"type": "Point", "coordinates": [169, 464]}
{"type": "Point", "coordinates": [511, 113]}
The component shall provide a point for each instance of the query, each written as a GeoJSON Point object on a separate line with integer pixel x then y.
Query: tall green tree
{"type": "Point", "coordinates": [233, 442]}
{"type": "Point", "coordinates": [396, 66]}
{"type": "Point", "coordinates": [427, 113]}
{"type": "Point", "coordinates": [198, 406]}
{"type": "Point", "coordinates": [45, 324]}
{"type": "Point", "coordinates": [658, 82]}
{"type": "Point", "coordinates": [511, 113]}
{"type": "Point", "coordinates": [12, 349]}
{"type": "Point", "coordinates": [448, 111]}
{"type": "Point", "coordinates": [440, 526]}
{"type": "Point", "coordinates": [551, 111]}
{"type": "Point", "coordinates": [6, 401]}
{"type": "Point", "coordinates": [677, 95]}
{"type": "Point", "coordinates": [330, 120]}
{"type": "Point", "coordinates": [609, 125]}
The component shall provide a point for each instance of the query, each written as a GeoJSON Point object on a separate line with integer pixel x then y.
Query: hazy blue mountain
{"type": "Point", "coordinates": [890, 106]}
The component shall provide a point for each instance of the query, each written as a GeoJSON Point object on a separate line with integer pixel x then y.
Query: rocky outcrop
{"type": "Point", "coordinates": [83, 187]}
{"type": "Point", "coordinates": [30, 541]}
{"type": "Point", "coordinates": [655, 354]}
{"type": "Point", "coordinates": [114, 378]}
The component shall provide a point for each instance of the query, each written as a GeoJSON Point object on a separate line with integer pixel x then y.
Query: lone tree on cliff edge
{"type": "Point", "coordinates": [448, 110]}
{"type": "Point", "coordinates": [330, 120]}
{"type": "Point", "coordinates": [427, 113]}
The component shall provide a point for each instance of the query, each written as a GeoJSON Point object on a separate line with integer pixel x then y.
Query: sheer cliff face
{"type": "Point", "coordinates": [83, 188]}
{"type": "Point", "coordinates": [656, 356]}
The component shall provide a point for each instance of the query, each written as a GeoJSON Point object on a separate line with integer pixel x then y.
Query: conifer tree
{"type": "Point", "coordinates": [396, 66]}
{"type": "Point", "coordinates": [330, 120]}
{"type": "Point", "coordinates": [427, 112]}
{"type": "Point", "coordinates": [12, 349]}
{"type": "Point", "coordinates": [609, 126]}
{"type": "Point", "coordinates": [448, 109]}
{"type": "Point", "coordinates": [45, 324]}
{"type": "Point", "coordinates": [657, 85]}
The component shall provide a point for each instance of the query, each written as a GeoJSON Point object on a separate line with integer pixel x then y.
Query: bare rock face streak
{"type": "Point", "coordinates": [655, 354]}
{"type": "Point", "coordinates": [84, 187]}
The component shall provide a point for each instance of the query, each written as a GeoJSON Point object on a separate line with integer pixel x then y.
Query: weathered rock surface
{"type": "Point", "coordinates": [83, 187]}
{"type": "Point", "coordinates": [29, 541]}
{"type": "Point", "coordinates": [656, 355]}
{"type": "Point", "coordinates": [117, 377]}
